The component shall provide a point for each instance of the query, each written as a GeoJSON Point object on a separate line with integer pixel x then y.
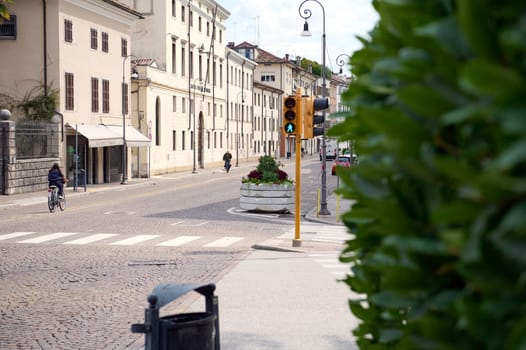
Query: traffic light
{"type": "Point", "coordinates": [291, 114]}
{"type": "Point", "coordinates": [311, 119]}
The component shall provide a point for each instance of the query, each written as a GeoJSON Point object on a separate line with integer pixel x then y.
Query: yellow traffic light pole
{"type": "Point", "coordinates": [299, 126]}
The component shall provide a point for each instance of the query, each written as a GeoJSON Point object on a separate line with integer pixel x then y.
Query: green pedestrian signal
{"type": "Point", "coordinates": [291, 114]}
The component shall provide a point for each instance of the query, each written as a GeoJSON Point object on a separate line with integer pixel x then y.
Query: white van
{"type": "Point", "coordinates": [331, 149]}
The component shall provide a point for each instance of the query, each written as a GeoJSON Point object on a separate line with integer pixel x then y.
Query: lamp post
{"type": "Point", "coordinates": [124, 107]}
{"type": "Point", "coordinates": [200, 82]}
{"type": "Point", "coordinates": [237, 124]}
{"type": "Point", "coordinates": [340, 61]}
{"type": "Point", "coordinates": [307, 13]}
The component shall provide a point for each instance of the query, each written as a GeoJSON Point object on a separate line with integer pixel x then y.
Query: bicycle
{"type": "Point", "coordinates": [54, 200]}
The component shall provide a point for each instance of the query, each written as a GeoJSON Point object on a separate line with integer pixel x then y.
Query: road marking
{"type": "Point", "coordinates": [190, 225]}
{"type": "Point", "coordinates": [135, 239]}
{"type": "Point", "coordinates": [92, 238]}
{"type": "Point", "coordinates": [224, 242]}
{"type": "Point", "coordinates": [177, 223]}
{"type": "Point", "coordinates": [49, 237]}
{"type": "Point", "coordinates": [15, 235]}
{"type": "Point", "coordinates": [178, 241]}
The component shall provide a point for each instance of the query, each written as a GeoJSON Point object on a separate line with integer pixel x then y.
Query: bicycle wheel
{"type": "Point", "coordinates": [51, 201]}
{"type": "Point", "coordinates": [62, 202]}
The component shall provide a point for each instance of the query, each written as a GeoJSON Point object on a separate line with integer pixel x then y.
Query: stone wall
{"type": "Point", "coordinates": [20, 176]}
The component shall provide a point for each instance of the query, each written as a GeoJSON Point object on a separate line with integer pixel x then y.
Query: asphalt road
{"type": "Point", "coordinates": [77, 279]}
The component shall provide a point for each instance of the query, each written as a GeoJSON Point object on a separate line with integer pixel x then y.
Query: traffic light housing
{"type": "Point", "coordinates": [291, 115]}
{"type": "Point", "coordinates": [311, 119]}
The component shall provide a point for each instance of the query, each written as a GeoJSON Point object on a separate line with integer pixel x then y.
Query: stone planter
{"type": "Point", "coordinates": [267, 197]}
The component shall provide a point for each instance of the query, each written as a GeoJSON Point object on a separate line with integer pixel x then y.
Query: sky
{"type": "Point", "coordinates": [276, 25]}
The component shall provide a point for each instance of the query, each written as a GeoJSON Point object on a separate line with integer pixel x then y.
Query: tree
{"type": "Point", "coordinates": [439, 225]}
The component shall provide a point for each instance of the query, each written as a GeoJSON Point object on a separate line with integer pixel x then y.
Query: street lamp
{"type": "Point", "coordinates": [201, 83]}
{"type": "Point", "coordinates": [307, 13]}
{"type": "Point", "coordinates": [341, 62]}
{"type": "Point", "coordinates": [237, 124]}
{"type": "Point", "coordinates": [124, 107]}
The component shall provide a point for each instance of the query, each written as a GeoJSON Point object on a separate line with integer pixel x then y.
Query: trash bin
{"type": "Point", "coordinates": [81, 177]}
{"type": "Point", "coordinates": [186, 331]}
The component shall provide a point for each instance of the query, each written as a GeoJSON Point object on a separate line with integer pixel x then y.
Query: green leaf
{"type": "Point", "coordinates": [484, 78]}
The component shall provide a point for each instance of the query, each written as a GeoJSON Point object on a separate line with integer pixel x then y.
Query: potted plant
{"type": "Point", "coordinates": [267, 188]}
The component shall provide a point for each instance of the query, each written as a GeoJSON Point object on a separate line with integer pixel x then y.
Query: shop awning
{"type": "Point", "coordinates": [133, 137]}
{"type": "Point", "coordinates": [100, 135]}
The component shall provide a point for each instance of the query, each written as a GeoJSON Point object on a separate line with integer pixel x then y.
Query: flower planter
{"type": "Point", "coordinates": [267, 197]}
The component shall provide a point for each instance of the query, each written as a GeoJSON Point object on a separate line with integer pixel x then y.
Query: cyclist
{"type": "Point", "coordinates": [227, 157]}
{"type": "Point", "coordinates": [56, 178]}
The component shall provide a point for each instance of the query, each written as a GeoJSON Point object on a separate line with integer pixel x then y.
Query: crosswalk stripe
{"type": "Point", "coordinates": [178, 241]}
{"type": "Point", "coordinates": [92, 238]}
{"type": "Point", "coordinates": [224, 242]}
{"type": "Point", "coordinates": [49, 237]}
{"type": "Point", "coordinates": [135, 239]}
{"type": "Point", "coordinates": [14, 235]}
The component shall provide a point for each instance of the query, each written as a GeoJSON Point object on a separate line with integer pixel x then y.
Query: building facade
{"type": "Point", "coordinates": [78, 55]}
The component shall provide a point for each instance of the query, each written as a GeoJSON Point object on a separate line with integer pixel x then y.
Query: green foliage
{"type": "Point", "coordinates": [35, 105]}
{"type": "Point", "coordinates": [267, 171]}
{"type": "Point", "coordinates": [4, 11]}
{"type": "Point", "coordinates": [438, 114]}
{"type": "Point", "coordinates": [316, 68]}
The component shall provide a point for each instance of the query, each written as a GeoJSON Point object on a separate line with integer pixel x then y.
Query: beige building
{"type": "Point", "coordinates": [76, 48]}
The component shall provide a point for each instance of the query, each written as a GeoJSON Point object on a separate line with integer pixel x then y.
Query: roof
{"type": "Point", "coordinates": [124, 7]}
{"type": "Point", "coordinates": [262, 55]}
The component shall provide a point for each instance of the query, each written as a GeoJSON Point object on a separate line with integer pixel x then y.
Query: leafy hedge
{"type": "Point", "coordinates": [438, 116]}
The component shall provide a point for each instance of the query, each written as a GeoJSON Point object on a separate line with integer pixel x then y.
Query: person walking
{"type": "Point", "coordinates": [227, 157]}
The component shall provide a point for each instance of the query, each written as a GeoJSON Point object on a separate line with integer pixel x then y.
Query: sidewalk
{"type": "Point", "coordinates": [280, 296]}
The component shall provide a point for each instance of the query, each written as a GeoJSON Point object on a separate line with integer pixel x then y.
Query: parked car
{"type": "Point", "coordinates": [342, 161]}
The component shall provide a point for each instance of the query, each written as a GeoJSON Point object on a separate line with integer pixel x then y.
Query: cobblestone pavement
{"type": "Point", "coordinates": [58, 297]}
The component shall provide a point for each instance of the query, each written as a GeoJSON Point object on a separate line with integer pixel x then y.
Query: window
{"type": "Point", "coordinates": [124, 99]}
{"type": "Point", "coordinates": [68, 31]}
{"type": "Point", "coordinates": [70, 92]}
{"type": "Point", "coordinates": [8, 28]}
{"type": "Point", "coordinates": [199, 23]}
{"type": "Point", "coordinates": [182, 13]}
{"type": "Point", "coordinates": [124, 47]}
{"type": "Point", "coordinates": [221, 75]}
{"type": "Point", "coordinates": [183, 105]}
{"type": "Point", "coordinates": [183, 59]}
{"type": "Point", "coordinates": [191, 65]}
{"type": "Point", "coordinates": [94, 95]}
{"type": "Point", "coordinates": [174, 62]}
{"type": "Point", "coordinates": [173, 8]}
{"type": "Point", "coordinates": [173, 140]}
{"type": "Point", "coordinates": [207, 28]}
{"type": "Point", "coordinates": [200, 62]}
{"type": "Point", "coordinates": [104, 42]}
{"type": "Point", "coordinates": [191, 18]}
{"type": "Point", "coordinates": [105, 96]}
{"type": "Point", "coordinates": [94, 39]}
{"type": "Point", "coordinates": [174, 103]}
{"type": "Point", "coordinates": [220, 36]}
{"type": "Point", "coordinates": [183, 140]}
{"type": "Point", "coordinates": [267, 77]}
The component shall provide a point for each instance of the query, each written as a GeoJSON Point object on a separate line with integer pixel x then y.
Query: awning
{"type": "Point", "coordinates": [100, 135]}
{"type": "Point", "coordinates": [133, 137]}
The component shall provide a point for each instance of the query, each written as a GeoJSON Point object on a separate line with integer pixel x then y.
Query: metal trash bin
{"type": "Point", "coordinates": [186, 331]}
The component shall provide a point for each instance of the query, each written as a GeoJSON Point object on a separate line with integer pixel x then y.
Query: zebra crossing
{"type": "Point", "coordinates": [320, 233]}
{"type": "Point", "coordinates": [331, 262]}
{"type": "Point", "coordinates": [336, 234]}
{"type": "Point", "coordinates": [114, 239]}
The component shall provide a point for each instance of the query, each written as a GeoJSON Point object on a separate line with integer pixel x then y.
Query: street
{"type": "Point", "coordinates": [77, 279]}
